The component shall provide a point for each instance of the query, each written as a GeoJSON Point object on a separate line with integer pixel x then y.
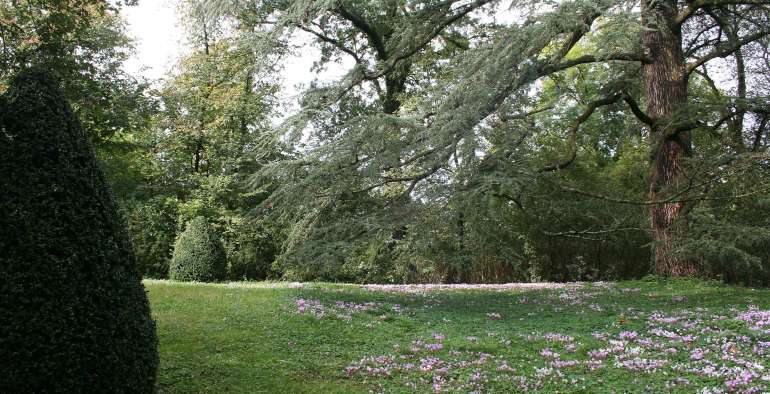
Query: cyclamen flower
{"type": "Point", "coordinates": [629, 335]}
{"type": "Point", "coordinates": [743, 378]}
{"type": "Point", "coordinates": [351, 370]}
{"type": "Point", "coordinates": [688, 338]}
{"type": "Point", "coordinates": [564, 363]}
{"type": "Point", "coordinates": [600, 335]}
{"type": "Point", "coordinates": [429, 363]}
{"type": "Point", "coordinates": [600, 354]}
{"type": "Point", "coordinates": [476, 376]}
{"type": "Point", "coordinates": [548, 353]}
{"type": "Point", "coordinates": [437, 381]}
{"type": "Point", "coordinates": [642, 364]}
{"type": "Point", "coordinates": [698, 354]}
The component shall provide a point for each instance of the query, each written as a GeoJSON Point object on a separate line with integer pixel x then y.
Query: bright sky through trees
{"type": "Point", "coordinates": [155, 26]}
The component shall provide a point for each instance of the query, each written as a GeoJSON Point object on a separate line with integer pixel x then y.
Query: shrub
{"type": "Point", "coordinates": [75, 316]}
{"type": "Point", "coordinates": [198, 254]}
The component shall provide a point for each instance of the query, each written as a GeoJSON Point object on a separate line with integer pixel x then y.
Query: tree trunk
{"type": "Point", "coordinates": [665, 82]}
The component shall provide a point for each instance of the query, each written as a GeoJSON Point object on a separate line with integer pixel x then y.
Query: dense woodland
{"type": "Point", "coordinates": [573, 140]}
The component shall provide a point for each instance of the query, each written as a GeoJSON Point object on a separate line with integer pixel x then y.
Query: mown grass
{"type": "Point", "coordinates": [253, 337]}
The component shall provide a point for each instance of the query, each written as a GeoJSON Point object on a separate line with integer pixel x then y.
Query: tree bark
{"type": "Point", "coordinates": [665, 80]}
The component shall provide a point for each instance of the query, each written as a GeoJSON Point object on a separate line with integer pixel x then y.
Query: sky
{"type": "Point", "coordinates": [159, 37]}
{"type": "Point", "coordinates": [160, 42]}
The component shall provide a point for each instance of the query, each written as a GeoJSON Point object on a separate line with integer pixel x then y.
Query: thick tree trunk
{"type": "Point", "coordinates": [666, 92]}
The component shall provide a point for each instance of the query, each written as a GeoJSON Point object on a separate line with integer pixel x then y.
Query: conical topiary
{"type": "Point", "coordinates": [198, 254]}
{"type": "Point", "coordinates": [74, 316]}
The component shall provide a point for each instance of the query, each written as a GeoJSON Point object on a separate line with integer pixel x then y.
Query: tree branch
{"type": "Point", "coordinates": [696, 5]}
{"type": "Point", "coordinates": [572, 132]}
{"type": "Point", "coordinates": [524, 115]}
{"type": "Point", "coordinates": [646, 119]}
{"type": "Point", "coordinates": [393, 60]}
{"type": "Point", "coordinates": [629, 57]}
{"type": "Point", "coordinates": [327, 39]}
{"type": "Point", "coordinates": [725, 50]}
{"type": "Point", "coordinates": [371, 34]}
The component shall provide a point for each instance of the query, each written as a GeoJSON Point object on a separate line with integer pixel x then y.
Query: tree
{"type": "Point", "coordinates": [209, 132]}
{"type": "Point", "coordinates": [75, 314]}
{"type": "Point", "coordinates": [396, 156]}
{"type": "Point", "coordinates": [84, 44]}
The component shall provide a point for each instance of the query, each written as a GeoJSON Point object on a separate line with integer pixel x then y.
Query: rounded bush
{"type": "Point", "coordinates": [75, 316]}
{"type": "Point", "coordinates": [198, 254]}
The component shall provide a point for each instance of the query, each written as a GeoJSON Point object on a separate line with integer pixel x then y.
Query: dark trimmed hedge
{"type": "Point", "coordinates": [198, 254]}
{"type": "Point", "coordinates": [74, 316]}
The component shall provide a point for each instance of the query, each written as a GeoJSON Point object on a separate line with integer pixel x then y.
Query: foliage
{"type": "Point", "coordinates": [75, 315]}
{"type": "Point", "coordinates": [198, 254]}
{"type": "Point", "coordinates": [731, 239]}
{"type": "Point", "coordinates": [543, 128]}
{"type": "Point", "coordinates": [83, 43]}
{"type": "Point", "coordinates": [461, 145]}
{"type": "Point", "coordinates": [152, 226]}
{"type": "Point", "coordinates": [251, 250]}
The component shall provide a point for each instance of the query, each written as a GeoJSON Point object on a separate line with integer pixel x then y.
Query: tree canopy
{"type": "Point", "coordinates": [467, 140]}
{"type": "Point", "coordinates": [442, 107]}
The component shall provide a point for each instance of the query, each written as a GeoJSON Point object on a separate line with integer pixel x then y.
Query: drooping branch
{"type": "Point", "coordinates": [584, 234]}
{"type": "Point", "coordinates": [615, 200]}
{"type": "Point", "coordinates": [393, 61]}
{"type": "Point", "coordinates": [586, 59]}
{"type": "Point", "coordinates": [524, 115]}
{"type": "Point", "coordinates": [336, 43]}
{"type": "Point", "coordinates": [725, 50]}
{"type": "Point", "coordinates": [637, 111]}
{"type": "Point", "coordinates": [374, 37]}
{"type": "Point", "coordinates": [759, 132]}
{"type": "Point", "coordinates": [572, 132]}
{"type": "Point", "coordinates": [696, 5]}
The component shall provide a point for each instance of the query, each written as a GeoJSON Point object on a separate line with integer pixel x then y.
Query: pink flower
{"type": "Point", "coordinates": [629, 335]}
{"type": "Point", "coordinates": [548, 353]}
{"type": "Point", "coordinates": [697, 354]}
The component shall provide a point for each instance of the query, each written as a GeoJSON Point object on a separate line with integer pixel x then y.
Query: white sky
{"type": "Point", "coordinates": [160, 42]}
{"type": "Point", "coordinates": [159, 37]}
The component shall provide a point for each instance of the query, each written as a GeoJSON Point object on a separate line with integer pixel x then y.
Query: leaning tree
{"type": "Point", "coordinates": [400, 152]}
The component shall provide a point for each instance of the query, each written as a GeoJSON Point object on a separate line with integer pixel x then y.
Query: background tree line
{"type": "Point", "coordinates": [591, 139]}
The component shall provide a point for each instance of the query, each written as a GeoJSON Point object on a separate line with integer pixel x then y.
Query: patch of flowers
{"type": "Point", "coordinates": [693, 349]}
{"type": "Point", "coordinates": [425, 288]}
{"type": "Point", "coordinates": [453, 370]}
{"type": "Point", "coordinates": [343, 310]}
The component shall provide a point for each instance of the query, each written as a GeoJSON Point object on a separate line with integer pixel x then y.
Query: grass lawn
{"type": "Point", "coordinates": [641, 336]}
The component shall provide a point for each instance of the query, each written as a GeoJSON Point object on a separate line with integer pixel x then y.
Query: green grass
{"type": "Point", "coordinates": [250, 337]}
